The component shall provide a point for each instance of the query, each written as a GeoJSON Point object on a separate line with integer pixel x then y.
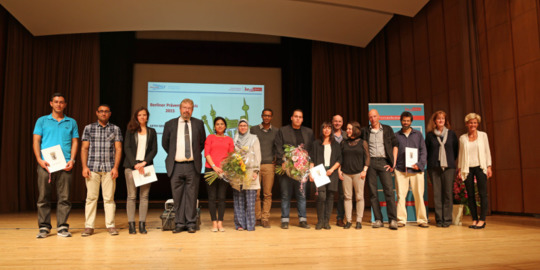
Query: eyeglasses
{"type": "Point", "coordinates": [101, 111]}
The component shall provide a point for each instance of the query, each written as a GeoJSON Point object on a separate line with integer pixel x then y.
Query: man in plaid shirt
{"type": "Point", "coordinates": [101, 153]}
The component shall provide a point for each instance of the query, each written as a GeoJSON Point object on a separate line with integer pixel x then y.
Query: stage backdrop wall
{"type": "Point", "coordinates": [458, 56]}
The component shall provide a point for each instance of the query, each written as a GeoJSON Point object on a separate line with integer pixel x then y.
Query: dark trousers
{"type": "Point", "coordinates": [185, 189]}
{"type": "Point", "coordinates": [217, 190]}
{"type": "Point", "coordinates": [376, 168]}
{"type": "Point", "coordinates": [325, 203]}
{"type": "Point", "coordinates": [340, 203]}
{"type": "Point", "coordinates": [481, 183]}
{"type": "Point", "coordinates": [443, 183]}
{"type": "Point", "coordinates": [62, 180]}
{"type": "Point", "coordinates": [288, 186]}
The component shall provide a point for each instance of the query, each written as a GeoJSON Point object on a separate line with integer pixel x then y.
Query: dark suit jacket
{"type": "Point", "coordinates": [286, 135]}
{"type": "Point", "coordinates": [390, 141]}
{"type": "Point", "coordinates": [169, 142]}
{"type": "Point", "coordinates": [317, 157]}
{"type": "Point", "coordinates": [130, 147]}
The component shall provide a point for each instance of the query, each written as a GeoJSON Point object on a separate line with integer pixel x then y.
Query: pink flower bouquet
{"type": "Point", "coordinates": [295, 163]}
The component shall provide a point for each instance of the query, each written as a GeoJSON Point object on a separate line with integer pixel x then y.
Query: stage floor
{"type": "Point", "coordinates": [508, 242]}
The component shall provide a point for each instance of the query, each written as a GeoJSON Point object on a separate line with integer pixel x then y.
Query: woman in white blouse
{"type": "Point", "coordinates": [475, 161]}
{"type": "Point", "coordinates": [140, 148]}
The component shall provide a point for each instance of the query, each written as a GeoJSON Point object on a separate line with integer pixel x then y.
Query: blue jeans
{"type": "Point", "coordinates": [287, 186]}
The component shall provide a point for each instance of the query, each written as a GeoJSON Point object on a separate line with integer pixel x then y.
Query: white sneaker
{"type": "Point", "coordinates": [42, 234]}
{"type": "Point", "coordinates": [64, 233]}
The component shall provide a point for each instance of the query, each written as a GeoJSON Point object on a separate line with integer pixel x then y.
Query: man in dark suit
{"type": "Point", "coordinates": [294, 134]}
{"type": "Point", "coordinates": [183, 140]}
{"type": "Point", "coordinates": [383, 148]}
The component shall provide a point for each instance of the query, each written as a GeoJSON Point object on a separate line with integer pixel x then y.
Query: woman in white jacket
{"type": "Point", "coordinates": [475, 161]}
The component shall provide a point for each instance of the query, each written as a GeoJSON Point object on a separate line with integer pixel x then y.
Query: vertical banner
{"type": "Point", "coordinates": [389, 115]}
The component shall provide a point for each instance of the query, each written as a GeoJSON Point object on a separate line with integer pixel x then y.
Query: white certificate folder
{"type": "Point", "coordinates": [149, 176]}
{"type": "Point", "coordinates": [55, 157]}
{"type": "Point", "coordinates": [411, 156]}
{"type": "Point", "coordinates": [319, 175]}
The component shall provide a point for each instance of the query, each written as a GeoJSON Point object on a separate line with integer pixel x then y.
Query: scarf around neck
{"type": "Point", "coordinates": [442, 151]}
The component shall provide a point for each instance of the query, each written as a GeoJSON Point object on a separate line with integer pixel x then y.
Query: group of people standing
{"type": "Point", "coordinates": [350, 156]}
{"type": "Point", "coordinates": [101, 153]}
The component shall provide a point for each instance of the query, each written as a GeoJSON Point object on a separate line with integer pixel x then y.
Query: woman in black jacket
{"type": "Point", "coordinates": [326, 151]}
{"type": "Point", "coordinates": [140, 148]}
{"type": "Point", "coordinates": [442, 148]}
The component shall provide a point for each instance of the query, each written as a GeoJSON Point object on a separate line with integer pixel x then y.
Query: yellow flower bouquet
{"type": "Point", "coordinates": [234, 169]}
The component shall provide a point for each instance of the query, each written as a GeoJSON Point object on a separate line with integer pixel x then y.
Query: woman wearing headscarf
{"type": "Point", "coordinates": [244, 197]}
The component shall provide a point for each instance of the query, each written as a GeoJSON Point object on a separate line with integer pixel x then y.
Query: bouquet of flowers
{"type": "Point", "coordinates": [234, 169]}
{"type": "Point", "coordinates": [460, 195]}
{"type": "Point", "coordinates": [295, 163]}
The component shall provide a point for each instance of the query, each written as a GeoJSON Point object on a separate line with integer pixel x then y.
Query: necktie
{"type": "Point", "coordinates": [187, 142]}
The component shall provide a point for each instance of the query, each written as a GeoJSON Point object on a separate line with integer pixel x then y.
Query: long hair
{"type": "Point", "coordinates": [323, 125]}
{"type": "Point", "coordinates": [134, 125]}
{"type": "Point", "coordinates": [431, 125]}
{"type": "Point", "coordinates": [356, 129]}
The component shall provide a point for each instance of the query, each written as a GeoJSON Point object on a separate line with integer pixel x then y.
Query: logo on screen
{"type": "Point", "coordinates": [156, 86]}
{"type": "Point", "coordinates": [253, 89]}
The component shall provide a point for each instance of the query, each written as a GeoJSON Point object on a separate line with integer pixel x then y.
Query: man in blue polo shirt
{"type": "Point", "coordinates": [51, 130]}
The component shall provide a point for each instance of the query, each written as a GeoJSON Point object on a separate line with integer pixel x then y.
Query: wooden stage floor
{"type": "Point", "coordinates": [508, 242]}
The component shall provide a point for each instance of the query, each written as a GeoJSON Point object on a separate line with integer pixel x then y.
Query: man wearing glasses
{"type": "Point", "coordinates": [100, 154]}
{"type": "Point", "coordinates": [266, 134]}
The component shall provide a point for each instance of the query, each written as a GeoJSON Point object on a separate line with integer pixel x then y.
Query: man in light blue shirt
{"type": "Point", "coordinates": [51, 130]}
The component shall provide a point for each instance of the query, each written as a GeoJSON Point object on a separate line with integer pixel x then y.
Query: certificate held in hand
{"type": "Point", "coordinates": [411, 156]}
{"type": "Point", "coordinates": [149, 176]}
{"type": "Point", "coordinates": [319, 175]}
{"type": "Point", "coordinates": [55, 157]}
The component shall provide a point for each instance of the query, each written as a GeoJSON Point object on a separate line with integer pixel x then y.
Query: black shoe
{"type": "Point", "coordinates": [132, 229]}
{"type": "Point", "coordinates": [318, 226]}
{"type": "Point", "coordinates": [303, 224]}
{"type": "Point", "coordinates": [347, 225]}
{"type": "Point", "coordinates": [439, 224]}
{"type": "Point", "coordinates": [142, 227]}
{"type": "Point", "coordinates": [480, 227]}
{"type": "Point", "coordinates": [191, 230]}
{"type": "Point", "coordinates": [284, 225]}
{"type": "Point", "coordinates": [340, 223]}
{"type": "Point", "coordinates": [446, 225]}
{"type": "Point", "coordinates": [178, 229]}
{"type": "Point", "coordinates": [326, 226]}
{"type": "Point", "coordinates": [358, 225]}
{"type": "Point", "coordinates": [472, 226]}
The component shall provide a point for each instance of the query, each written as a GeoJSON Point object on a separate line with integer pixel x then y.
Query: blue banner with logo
{"type": "Point", "coordinates": [390, 115]}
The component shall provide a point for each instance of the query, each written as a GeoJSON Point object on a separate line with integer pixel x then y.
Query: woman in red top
{"type": "Point", "coordinates": [216, 148]}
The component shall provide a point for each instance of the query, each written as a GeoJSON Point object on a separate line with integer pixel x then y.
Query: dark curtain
{"type": "Point", "coordinates": [296, 79]}
{"type": "Point", "coordinates": [117, 51]}
{"type": "Point", "coordinates": [36, 67]}
{"type": "Point", "coordinates": [345, 79]}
